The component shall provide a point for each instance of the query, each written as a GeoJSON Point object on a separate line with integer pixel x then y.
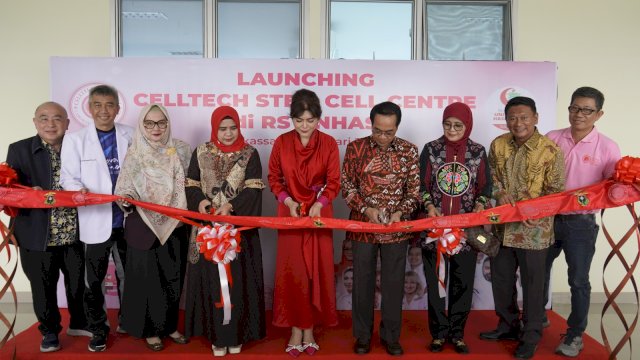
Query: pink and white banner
{"type": "Point", "coordinates": [261, 91]}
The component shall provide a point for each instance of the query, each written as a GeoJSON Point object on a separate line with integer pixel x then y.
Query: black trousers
{"type": "Point", "coordinates": [393, 261]}
{"type": "Point", "coordinates": [445, 324]}
{"type": "Point", "coordinates": [152, 291]}
{"type": "Point", "coordinates": [532, 264]}
{"type": "Point", "coordinates": [43, 271]}
{"type": "Point", "coordinates": [96, 263]}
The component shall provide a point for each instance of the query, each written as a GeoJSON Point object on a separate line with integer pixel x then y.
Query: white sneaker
{"type": "Point", "coordinates": [570, 347]}
{"type": "Point", "coordinates": [235, 349]}
{"type": "Point", "coordinates": [219, 351]}
{"type": "Point", "coordinates": [79, 332]}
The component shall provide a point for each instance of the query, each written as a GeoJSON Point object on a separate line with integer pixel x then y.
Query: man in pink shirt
{"type": "Point", "coordinates": [589, 158]}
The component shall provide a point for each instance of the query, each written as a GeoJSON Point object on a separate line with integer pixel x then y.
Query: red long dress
{"type": "Point", "coordinates": [304, 292]}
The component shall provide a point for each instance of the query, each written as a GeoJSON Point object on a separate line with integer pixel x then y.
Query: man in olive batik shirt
{"type": "Point", "coordinates": [524, 165]}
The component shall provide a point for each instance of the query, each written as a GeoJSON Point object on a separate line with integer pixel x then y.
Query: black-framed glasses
{"type": "Point", "coordinates": [150, 124]}
{"type": "Point", "coordinates": [585, 111]}
{"type": "Point", "coordinates": [456, 126]}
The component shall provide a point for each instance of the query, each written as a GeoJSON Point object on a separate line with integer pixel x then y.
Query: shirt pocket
{"type": "Point", "coordinates": [88, 164]}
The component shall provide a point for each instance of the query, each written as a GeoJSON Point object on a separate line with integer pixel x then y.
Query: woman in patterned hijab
{"type": "Point", "coordinates": [154, 171]}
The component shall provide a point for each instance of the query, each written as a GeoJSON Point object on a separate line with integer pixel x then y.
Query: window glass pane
{"type": "Point", "coordinates": [162, 28]}
{"type": "Point", "coordinates": [465, 32]}
{"type": "Point", "coordinates": [258, 29]}
{"type": "Point", "coordinates": [371, 30]}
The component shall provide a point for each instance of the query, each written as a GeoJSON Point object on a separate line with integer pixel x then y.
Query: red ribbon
{"type": "Point", "coordinates": [603, 195]}
{"type": "Point", "coordinates": [8, 176]}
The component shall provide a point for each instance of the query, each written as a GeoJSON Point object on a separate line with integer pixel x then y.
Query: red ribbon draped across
{"type": "Point", "coordinates": [606, 194]}
{"type": "Point", "coordinates": [623, 189]}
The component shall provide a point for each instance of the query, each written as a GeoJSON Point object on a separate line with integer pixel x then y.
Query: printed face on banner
{"type": "Point", "coordinates": [51, 123]}
{"type": "Point", "coordinates": [521, 121]}
{"type": "Point", "coordinates": [410, 284]}
{"type": "Point", "coordinates": [104, 109]}
{"type": "Point", "coordinates": [414, 256]}
{"type": "Point", "coordinates": [577, 118]}
{"type": "Point", "coordinates": [228, 132]}
{"type": "Point", "coordinates": [347, 280]}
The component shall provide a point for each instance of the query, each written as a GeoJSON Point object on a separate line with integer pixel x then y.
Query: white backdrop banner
{"type": "Point", "coordinates": [261, 92]}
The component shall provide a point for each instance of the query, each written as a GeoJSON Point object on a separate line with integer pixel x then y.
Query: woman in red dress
{"type": "Point", "coordinates": [304, 174]}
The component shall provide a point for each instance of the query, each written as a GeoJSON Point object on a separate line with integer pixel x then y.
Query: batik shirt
{"type": "Point", "coordinates": [534, 169]}
{"type": "Point", "coordinates": [63, 221]}
{"type": "Point", "coordinates": [386, 179]}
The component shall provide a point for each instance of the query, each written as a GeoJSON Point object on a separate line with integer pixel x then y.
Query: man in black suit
{"type": "Point", "coordinates": [48, 238]}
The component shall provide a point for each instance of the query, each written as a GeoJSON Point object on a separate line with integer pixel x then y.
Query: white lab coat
{"type": "Point", "coordinates": [83, 165]}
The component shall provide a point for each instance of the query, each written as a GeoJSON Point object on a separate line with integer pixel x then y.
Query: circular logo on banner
{"type": "Point", "coordinates": [79, 105]}
{"type": "Point", "coordinates": [453, 178]}
{"type": "Point", "coordinates": [529, 211]}
{"type": "Point", "coordinates": [618, 193]}
{"type": "Point", "coordinates": [78, 198]}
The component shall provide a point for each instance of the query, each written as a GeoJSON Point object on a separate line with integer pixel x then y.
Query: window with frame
{"type": "Point", "coordinates": [240, 28]}
{"type": "Point", "coordinates": [161, 28]}
{"type": "Point", "coordinates": [467, 30]}
{"type": "Point", "coordinates": [380, 30]}
{"type": "Point", "coordinates": [419, 29]}
{"type": "Point", "coordinates": [258, 29]}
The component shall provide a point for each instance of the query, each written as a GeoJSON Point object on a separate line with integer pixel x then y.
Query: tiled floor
{"type": "Point", "coordinates": [613, 326]}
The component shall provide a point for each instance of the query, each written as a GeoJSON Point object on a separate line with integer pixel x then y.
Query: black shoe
{"type": "Point", "coordinates": [361, 347]}
{"type": "Point", "coordinates": [545, 322]}
{"type": "Point", "coordinates": [436, 345]}
{"type": "Point", "coordinates": [181, 339]}
{"type": "Point", "coordinates": [500, 335]}
{"type": "Point", "coordinates": [525, 350]}
{"type": "Point", "coordinates": [393, 348]}
{"type": "Point", "coordinates": [98, 343]}
{"type": "Point", "coordinates": [154, 346]}
{"type": "Point", "coordinates": [460, 346]}
{"type": "Point", "coordinates": [50, 343]}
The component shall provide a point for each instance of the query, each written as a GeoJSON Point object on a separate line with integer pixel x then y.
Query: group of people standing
{"type": "Point", "coordinates": [384, 179]}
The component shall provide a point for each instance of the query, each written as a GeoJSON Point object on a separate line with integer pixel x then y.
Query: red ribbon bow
{"type": "Point", "coordinates": [628, 171]}
{"type": "Point", "coordinates": [448, 240]}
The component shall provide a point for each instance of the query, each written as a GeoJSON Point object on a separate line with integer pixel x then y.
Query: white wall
{"type": "Point", "coordinates": [593, 42]}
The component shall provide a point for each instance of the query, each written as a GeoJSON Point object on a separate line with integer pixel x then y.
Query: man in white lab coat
{"type": "Point", "coordinates": [91, 160]}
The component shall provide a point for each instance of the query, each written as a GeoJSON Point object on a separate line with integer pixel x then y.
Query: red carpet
{"type": "Point", "coordinates": [335, 343]}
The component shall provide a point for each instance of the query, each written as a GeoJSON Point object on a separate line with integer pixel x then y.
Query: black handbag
{"type": "Point", "coordinates": [482, 241]}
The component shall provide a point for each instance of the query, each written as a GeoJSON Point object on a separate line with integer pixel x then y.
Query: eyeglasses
{"type": "Point", "coordinates": [387, 133]}
{"type": "Point", "coordinates": [585, 111]}
{"type": "Point", "coordinates": [150, 124]}
{"type": "Point", "coordinates": [456, 126]}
